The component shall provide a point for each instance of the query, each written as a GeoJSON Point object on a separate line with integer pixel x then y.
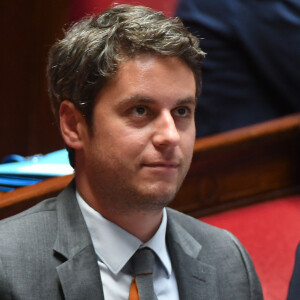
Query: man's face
{"type": "Point", "coordinates": [143, 134]}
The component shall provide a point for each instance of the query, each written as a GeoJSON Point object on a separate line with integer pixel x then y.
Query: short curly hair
{"type": "Point", "coordinates": [81, 63]}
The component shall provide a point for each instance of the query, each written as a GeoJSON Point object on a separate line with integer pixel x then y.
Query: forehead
{"type": "Point", "coordinates": [145, 63]}
{"type": "Point", "coordinates": [153, 76]}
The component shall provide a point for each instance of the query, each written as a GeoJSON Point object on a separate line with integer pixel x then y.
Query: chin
{"type": "Point", "coordinates": [157, 199]}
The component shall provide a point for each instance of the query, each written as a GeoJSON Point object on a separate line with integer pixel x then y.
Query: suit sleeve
{"type": "Point", "coordinates": [254, 283]}
{"type": "Point", "coordinates": [294, 288]}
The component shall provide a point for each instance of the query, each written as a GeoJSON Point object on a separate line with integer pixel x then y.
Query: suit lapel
{"type": "Point", "coordinates": [79, 273]}
{"type": "Point", "coordinates": [195, 280]}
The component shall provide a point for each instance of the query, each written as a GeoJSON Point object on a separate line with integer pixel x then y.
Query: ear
{"type": "Point", "coordinates": [72, 125]}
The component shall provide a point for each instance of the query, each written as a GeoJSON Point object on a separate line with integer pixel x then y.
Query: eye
{"type": "Point", "coordinates": [182, 111]}
{"type": "Point", "coordinates": [140, 110]}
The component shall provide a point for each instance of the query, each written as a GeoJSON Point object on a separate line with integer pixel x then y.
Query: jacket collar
{"type": "Point", "coordinates": [79, 273]}
{"type": "Point", "coordinates": [195, 279]}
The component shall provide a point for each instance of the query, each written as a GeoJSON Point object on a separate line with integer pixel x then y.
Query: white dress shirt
{"type": "Point", "coordinates": [114, 247]}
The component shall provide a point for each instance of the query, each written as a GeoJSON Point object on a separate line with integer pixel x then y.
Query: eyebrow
{"type": "Point", "coordinates": [140, 99]}
{"type": "Point", "coordinates": [188, 100]}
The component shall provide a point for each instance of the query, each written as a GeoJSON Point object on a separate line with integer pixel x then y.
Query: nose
{"type": "Point", "coordinates": [166, 133]}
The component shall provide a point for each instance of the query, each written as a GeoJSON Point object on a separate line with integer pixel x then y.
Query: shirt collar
{"type": "Point", "coordinates": [107, 238]}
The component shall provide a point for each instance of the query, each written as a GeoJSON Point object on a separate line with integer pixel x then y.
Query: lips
{"type": "Point", "coordinates": [162, 164]}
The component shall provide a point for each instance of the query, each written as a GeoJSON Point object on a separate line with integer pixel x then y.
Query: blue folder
{"type": "Point", "coordinates": [31, 170]}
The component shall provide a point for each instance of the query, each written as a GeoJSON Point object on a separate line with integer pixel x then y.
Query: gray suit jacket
{"type": "Point", "coordinates": [46, 253]}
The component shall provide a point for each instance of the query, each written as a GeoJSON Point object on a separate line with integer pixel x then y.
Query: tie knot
{"type": "Point", "coordinates": [143, 261]}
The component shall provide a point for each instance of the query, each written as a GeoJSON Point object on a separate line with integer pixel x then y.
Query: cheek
{"type": "Point", "coordinates": [187, 143]}
{"type": "Point", "coordinates": [130, 142]}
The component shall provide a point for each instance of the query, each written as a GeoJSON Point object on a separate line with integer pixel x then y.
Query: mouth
{"type": "Point", "coordinates": [162, 165]}
{"type": "Point", "coordinates": [162, 171]}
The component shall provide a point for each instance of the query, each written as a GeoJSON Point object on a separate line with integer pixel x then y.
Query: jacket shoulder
{"type": "Point", "coordinates": [43, 206]}
{"type": "Point", "coordinates": [29, 223]}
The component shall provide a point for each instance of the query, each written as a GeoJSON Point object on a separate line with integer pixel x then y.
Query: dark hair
{"type": "Point", "coordinates": [88, 56]}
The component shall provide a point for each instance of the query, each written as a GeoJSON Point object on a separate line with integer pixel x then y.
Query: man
{"type": "Point", "coordinates": [123, 85]}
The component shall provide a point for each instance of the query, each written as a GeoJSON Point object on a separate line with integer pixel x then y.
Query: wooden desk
{"type": "Point", "coordinates": [25, 197]}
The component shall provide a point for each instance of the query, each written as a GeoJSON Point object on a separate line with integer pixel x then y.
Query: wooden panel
{"type": "Point", "coordinates": [25, 197]}
{"type": "Point", "coordinates": [247, 165]}
{"type": "Point", "coordinates": [27, 30]}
